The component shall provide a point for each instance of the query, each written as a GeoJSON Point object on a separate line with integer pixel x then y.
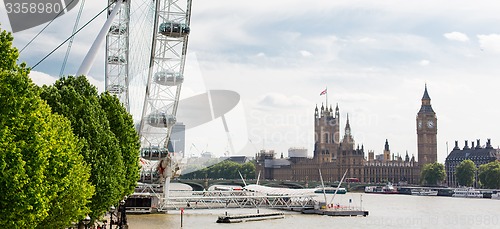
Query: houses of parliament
{"type": "Point", "coordinates": [334, 156]}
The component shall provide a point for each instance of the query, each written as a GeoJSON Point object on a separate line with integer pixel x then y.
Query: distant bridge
{"type": "Point", "coordinates": [204, 184]}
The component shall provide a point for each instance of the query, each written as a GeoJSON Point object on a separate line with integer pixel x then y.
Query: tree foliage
{"type": "Point", "coordinates": [225, 169]}
{"type": "Point", "coordinates": [122, 126]}
{"type": "Point", "coordinates": [489, 175]}
{"type": "Point", "coordinates": [9, 55]}
{"type": "Point", "coordinates": [432, 174]}
{"type": "Point", "coordinates": [78, 100]}
{"type": "Point", "coordinates": [465, 173]}
{"type": "Point", "coordinates": [43, 179]}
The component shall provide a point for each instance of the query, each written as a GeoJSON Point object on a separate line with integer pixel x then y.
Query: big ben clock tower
{"type": "Point", "coordinates": [426, 132]}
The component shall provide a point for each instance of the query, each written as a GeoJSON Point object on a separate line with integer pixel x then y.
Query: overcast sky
{"type": "Point", "coordinates": [374, 56]}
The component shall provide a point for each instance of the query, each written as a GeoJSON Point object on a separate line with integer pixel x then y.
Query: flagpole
{"type": "Point", "coordinates": [326, 95]}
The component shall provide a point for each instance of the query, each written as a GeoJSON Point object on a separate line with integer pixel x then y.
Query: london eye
{"type": "Point", "coordinates": [146, 47]}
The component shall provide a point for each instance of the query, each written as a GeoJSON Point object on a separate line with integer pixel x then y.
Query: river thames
{"type": "Point", "coordinates": [385, 211]}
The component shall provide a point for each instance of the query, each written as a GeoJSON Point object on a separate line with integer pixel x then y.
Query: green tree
{"type": "Point", "coordinates": [224, 169]}
{"type": "Point", "coordinates": [43, 180]}
{"type": "Point", "coordinates": [432, 174]}
{"type": "Point", "coordinates": [122, 125]}
{"type": "Point", "coordinates": [249, 170]}
{"type": "Point", "coordinates": [78, 100]}
{"type": "Point", "coordinates": [9, 55]}
{"type": "Point", "coordinates": [465, 173]}
{"type": "Point", "coordinates": [489, 175]}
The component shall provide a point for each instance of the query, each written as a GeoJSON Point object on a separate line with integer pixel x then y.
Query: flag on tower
{"type": "Point", "coordinates": [323, 92]}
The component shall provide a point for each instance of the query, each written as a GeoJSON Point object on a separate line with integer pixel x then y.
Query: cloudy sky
{"type": "Point", "coordinates": [374, 56]}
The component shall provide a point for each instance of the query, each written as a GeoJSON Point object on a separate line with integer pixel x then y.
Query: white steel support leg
{"type": "Point", "coordinates": [166, 190]}
{"type": "Point", "coordinates": [89, 58]}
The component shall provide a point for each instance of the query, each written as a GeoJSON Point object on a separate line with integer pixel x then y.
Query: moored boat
{"type": "Point", "coordinates": [331, 190]}
{"type": "Point", "coordinates": [424, 192]}
{"type": "Point", "coordinates": [495, 195]}
{"type": "Point", "coordinates": [467, 193]}
{"type": "Point", "coordinates": [249, 217]}
{"type": "Point", "coordinates": [387, 189]}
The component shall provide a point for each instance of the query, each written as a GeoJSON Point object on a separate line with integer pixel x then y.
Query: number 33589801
{"type": "Point", "coordinates": [33, 8]}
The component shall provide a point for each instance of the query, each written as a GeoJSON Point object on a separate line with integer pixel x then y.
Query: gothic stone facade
{"type": "Point", "coordinates": [334, 156]}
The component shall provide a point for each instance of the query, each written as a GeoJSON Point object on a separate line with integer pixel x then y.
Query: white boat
{"type": "Point", "coordinates": [424, 192]}
{"type": "Point", "coordinates": [495, 195]}
{"type": "Point", "coordinates": [467, 193]}
{"type": "Point", "coordinates": [387, 189]}
{"type": "Point", "coordinates": [225, 188]}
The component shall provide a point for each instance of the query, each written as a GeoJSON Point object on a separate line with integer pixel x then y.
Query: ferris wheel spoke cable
{"type": "Point", "coordinates": [43, 29]}
{"type": "Point", "coordinates": [72, 35]}
{"type": "Point", "coordinates": [72, 38]}
{"type": "Point", "coordinates": [138, 44]}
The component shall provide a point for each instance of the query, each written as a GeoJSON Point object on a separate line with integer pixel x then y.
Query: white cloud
{"type": "Point", "coordinates": [353, 97]}
{"type": "Point", "coordinates": [40, 78]}
{"type": "Point", "coordinates": [277, 100]}
{"type": "Point", "coordinates": [98, 83]}
{"type": "Point", "coordinates": [305, 53]}
{"type": "Point", "coordinates": [367, 40]}
{"type": "Point", "coordinates": [456, 36]}
{"type": "Point", "coordinates": [261, 54]}
{"type": "Point", "coordinates": [489, 42]}
{"type": "Point", "coordinates": [424, 62]}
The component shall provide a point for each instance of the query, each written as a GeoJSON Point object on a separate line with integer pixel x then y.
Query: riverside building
{"type": "Point", "coordinates": [478, 154]}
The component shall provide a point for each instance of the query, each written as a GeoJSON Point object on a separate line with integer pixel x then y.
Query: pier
{"type": "Point", "coordinates": [332, 212]}
{"type": "Point", "coordinates": [250, 217]}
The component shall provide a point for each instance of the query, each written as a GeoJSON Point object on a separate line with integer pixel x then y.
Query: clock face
{"type": "Point", "coordinates": [420, 124]}
{"type": "Point", "coordinates": [430, 124]}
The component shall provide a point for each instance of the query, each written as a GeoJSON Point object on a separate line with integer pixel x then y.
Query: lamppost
{"type": "Point", "coordinates": [86, 221]}
{"type": "Point", "coordinates": [111, 211]}
{"type": "Point", "coordinates": [123, 216]}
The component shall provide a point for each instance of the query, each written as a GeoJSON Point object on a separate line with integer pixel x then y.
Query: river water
{"type": "Point", "coordinates": [385, 211]}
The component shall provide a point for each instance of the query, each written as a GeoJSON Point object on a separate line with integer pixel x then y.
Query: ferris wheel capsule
{"type": "Point", "coordinates": [169, 78]}
{"type": "Point", "coordinates": [116, 60]}
{"type": "Point", "coordinates": [115, 89]}
{"type": "Point", "coordinates": [161, 120]}
{"type": "Point", "coordinates": [153, 152]}
{"type": "Point", "coordinates": [118, 29]}
{"type": "Point", "coordinates": [174, 29]}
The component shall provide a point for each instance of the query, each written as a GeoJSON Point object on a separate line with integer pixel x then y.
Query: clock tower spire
{"type": "Point", "coordinates": [426, 131]}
